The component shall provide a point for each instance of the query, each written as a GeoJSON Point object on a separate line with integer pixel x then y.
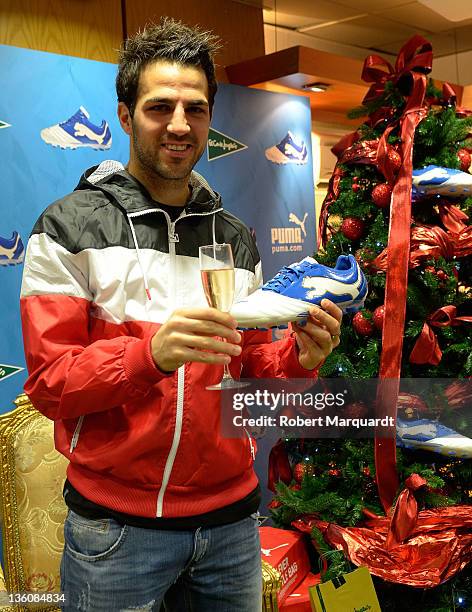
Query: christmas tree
{"type": "Point", "coordinates": [400, 200]}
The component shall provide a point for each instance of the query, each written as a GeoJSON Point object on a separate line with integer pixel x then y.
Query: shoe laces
{"type": "Point", "coordinates": [78, 116]}
{"type": "Point", "coordinates": [286, 276]}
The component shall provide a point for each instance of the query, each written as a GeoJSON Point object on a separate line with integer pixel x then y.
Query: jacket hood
{"type": "Point", "coordinates": [112, 178]}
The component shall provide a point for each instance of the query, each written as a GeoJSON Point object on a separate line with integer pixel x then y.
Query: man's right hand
{"type": "Point", "coordinates": [194, 334]}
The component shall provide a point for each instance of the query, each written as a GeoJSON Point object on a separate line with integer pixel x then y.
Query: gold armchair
{"type": "Point", "coordinates": [32, 508]}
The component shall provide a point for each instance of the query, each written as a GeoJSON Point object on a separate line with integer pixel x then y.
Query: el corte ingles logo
{"type": "Point", "coordinates": [220, 145]}
{"type": "Point", "coordinates": [8, 370]}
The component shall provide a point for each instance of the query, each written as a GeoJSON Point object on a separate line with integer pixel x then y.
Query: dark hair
{"type": "Point", "coordinates": [170, 41]}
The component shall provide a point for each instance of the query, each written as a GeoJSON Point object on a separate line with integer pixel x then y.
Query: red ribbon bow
{"type": "Point", "coordinates": [415, 56]}
{"type": "Point", "coordinates": [279, 466]}
{"type": "Point", "coordinates": [452, 217]}
{"type": "Point", "coordinates": [426, 349]}
{"type": "Point", "coordinates": [463, 242]}
{"type": "Point", "coordinates": [405, 513]}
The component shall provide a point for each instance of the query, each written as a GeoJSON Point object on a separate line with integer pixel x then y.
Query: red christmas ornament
{"type": "Point", "coordinates": [352, 228]}
{"type": "Point", "coordinates": [356, 410]}
{"type": "Point", "coordinates": [355, 187]}
{"type": "Point", "coordinates": [295, 487]}
{"type": "Point", "coordinates": [335, 473]}
{"type": "Point", "coordinates": [302, 469]}
{"type": "Point", "coordinates": [381, 195]}
{"type": "Point", "coordinates": [362, 325]}
{"type": "Point", "coordinates": [464, 159]}
{"type": "Point", "coordinates": [378, 317]}
{"type": "Point", "coordinates": [394, 159]}
{"type": "Point", "coordinates": [366, 471]}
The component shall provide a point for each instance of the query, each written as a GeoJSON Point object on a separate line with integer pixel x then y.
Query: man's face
{"type": "Point", "coordinates": [169, 128]}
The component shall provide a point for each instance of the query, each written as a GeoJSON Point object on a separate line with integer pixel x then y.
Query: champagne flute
{"type": "Point", "coordinates": [217, 271]}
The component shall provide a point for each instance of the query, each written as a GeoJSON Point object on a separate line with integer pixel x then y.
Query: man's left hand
{"type": "Point", "coordinates": [320, 335]}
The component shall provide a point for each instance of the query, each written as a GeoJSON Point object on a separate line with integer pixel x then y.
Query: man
{"type": "Point", "coordinates": [120, 347]}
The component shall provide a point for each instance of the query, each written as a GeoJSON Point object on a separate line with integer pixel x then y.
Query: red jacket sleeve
{"type": "Point", "coordinates": [69, 375]}
{"type": "Point", "coordinates": [265, 359]}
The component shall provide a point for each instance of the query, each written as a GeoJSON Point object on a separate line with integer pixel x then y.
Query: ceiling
{"type": "Point", "coordinates": [343, 32]}
{"type": "Point", "coordinates": [377, 25]}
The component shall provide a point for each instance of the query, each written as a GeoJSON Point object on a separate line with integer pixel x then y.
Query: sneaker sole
{"type": "Point", "coordinates": [78, 146]}
{"type": "Point", "coordinates": [353, 307]}
{"type": "Point", "coordinates": [276, 157]}
{"type": "Point", "coordinates": [11, 262]}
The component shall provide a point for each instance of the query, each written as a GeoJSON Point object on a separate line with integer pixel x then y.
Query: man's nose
{"type": "Point", "coordinates": [178, 123]}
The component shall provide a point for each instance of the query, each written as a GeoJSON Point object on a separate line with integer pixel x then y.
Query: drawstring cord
{"type": "Point", "coordinates": [143, 271]}
{"type": "Point", "coordinates": [214, 234]}
{"type": "Point", "coordinates": [138, 256]}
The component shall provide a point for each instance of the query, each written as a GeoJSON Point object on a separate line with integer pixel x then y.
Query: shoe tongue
{"type": "Point", "coordinates": [84, 112]}
{"type": "Point", "coordinates": [310, 260]}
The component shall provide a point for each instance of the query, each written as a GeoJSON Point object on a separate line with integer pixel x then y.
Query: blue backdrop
{"type": "Point", "coordinates": [41, 90]}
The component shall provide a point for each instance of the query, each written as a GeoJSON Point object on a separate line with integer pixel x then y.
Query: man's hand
{"type": "Point", "coordinates": [320, 335]}
{"type": "Point", "coordinates": [189, 335]}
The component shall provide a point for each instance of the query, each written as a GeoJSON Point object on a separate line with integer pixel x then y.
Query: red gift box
{"type": "Point", "coordinates": [286, 552]}
{"type": "Point", "coordinates": [299, 599]}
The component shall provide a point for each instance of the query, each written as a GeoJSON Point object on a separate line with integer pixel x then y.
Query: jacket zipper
{"type": "Point", "coordinates": [173, 238]}
{"type": "Point", "coordinates": [75, 437]}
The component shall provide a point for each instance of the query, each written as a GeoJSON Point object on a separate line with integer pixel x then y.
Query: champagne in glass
{"type": "Point", "coordinates": [219, 288]}
{"type": "Point", "coordinates": [217, 272]}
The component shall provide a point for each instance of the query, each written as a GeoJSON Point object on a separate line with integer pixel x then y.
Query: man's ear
{"type": "Point", "coordinates": [124, 117]}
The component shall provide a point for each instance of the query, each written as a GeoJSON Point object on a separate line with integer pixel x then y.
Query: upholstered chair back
{"type": "Point", "coordinates": [32, 508]}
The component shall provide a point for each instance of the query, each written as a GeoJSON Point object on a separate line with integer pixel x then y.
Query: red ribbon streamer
{"type": "Point", "coordinates": [426, 349]}
{"type": "Point", "coordinates": [413, 62]}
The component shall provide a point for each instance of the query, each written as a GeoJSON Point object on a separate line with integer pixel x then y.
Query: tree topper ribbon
{"type": "Point", "coordinates": [415, 56]}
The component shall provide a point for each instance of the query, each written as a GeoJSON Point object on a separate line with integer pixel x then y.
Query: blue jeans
{"type": "Point", "coordinates": [108, 567]}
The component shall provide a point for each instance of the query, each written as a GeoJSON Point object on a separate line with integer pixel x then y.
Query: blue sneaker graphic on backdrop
{"type": "Point", "coordinates": [426, 434]}
{"type": "Point", "coordinates": [290, 150]}
{"type": "Point", "coordinates": [289, 295]}
{"type": "Point", "coordinates": [12, 251]}
{"type": "Point", "coordinates": [434, 180]}
{"type": "Point", "coordinates": [78, 131]}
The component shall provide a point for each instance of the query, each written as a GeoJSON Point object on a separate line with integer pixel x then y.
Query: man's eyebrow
{"type": "Point", "coordinates": [170, 101]}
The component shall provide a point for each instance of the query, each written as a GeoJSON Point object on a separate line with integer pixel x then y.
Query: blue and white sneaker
{"type": "Point", "coordinates": [433, 180]}
{"type": "Point", "coordinates": [78, 131]}
{"type": "Point", "coordinates": [290, 150]}
{"type": "Point", "coordinates": [289, 295]}
{"type": "Point", "coordinates": [430, 435]}
{"type": "Point", "coordinates": [12, 250]}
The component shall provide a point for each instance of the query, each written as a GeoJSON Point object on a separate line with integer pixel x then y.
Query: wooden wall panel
{"type": "Point", "coordinates": [83, 28]}
{"type": "Point", "coordinates": [240, 26]}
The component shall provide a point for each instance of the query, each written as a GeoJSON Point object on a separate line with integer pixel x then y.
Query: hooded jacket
{"type": "Point", "coordinates": [104, 269]}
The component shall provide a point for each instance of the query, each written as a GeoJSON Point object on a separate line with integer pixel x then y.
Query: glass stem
{"type": "Point", "coordinates": [226, 373]}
